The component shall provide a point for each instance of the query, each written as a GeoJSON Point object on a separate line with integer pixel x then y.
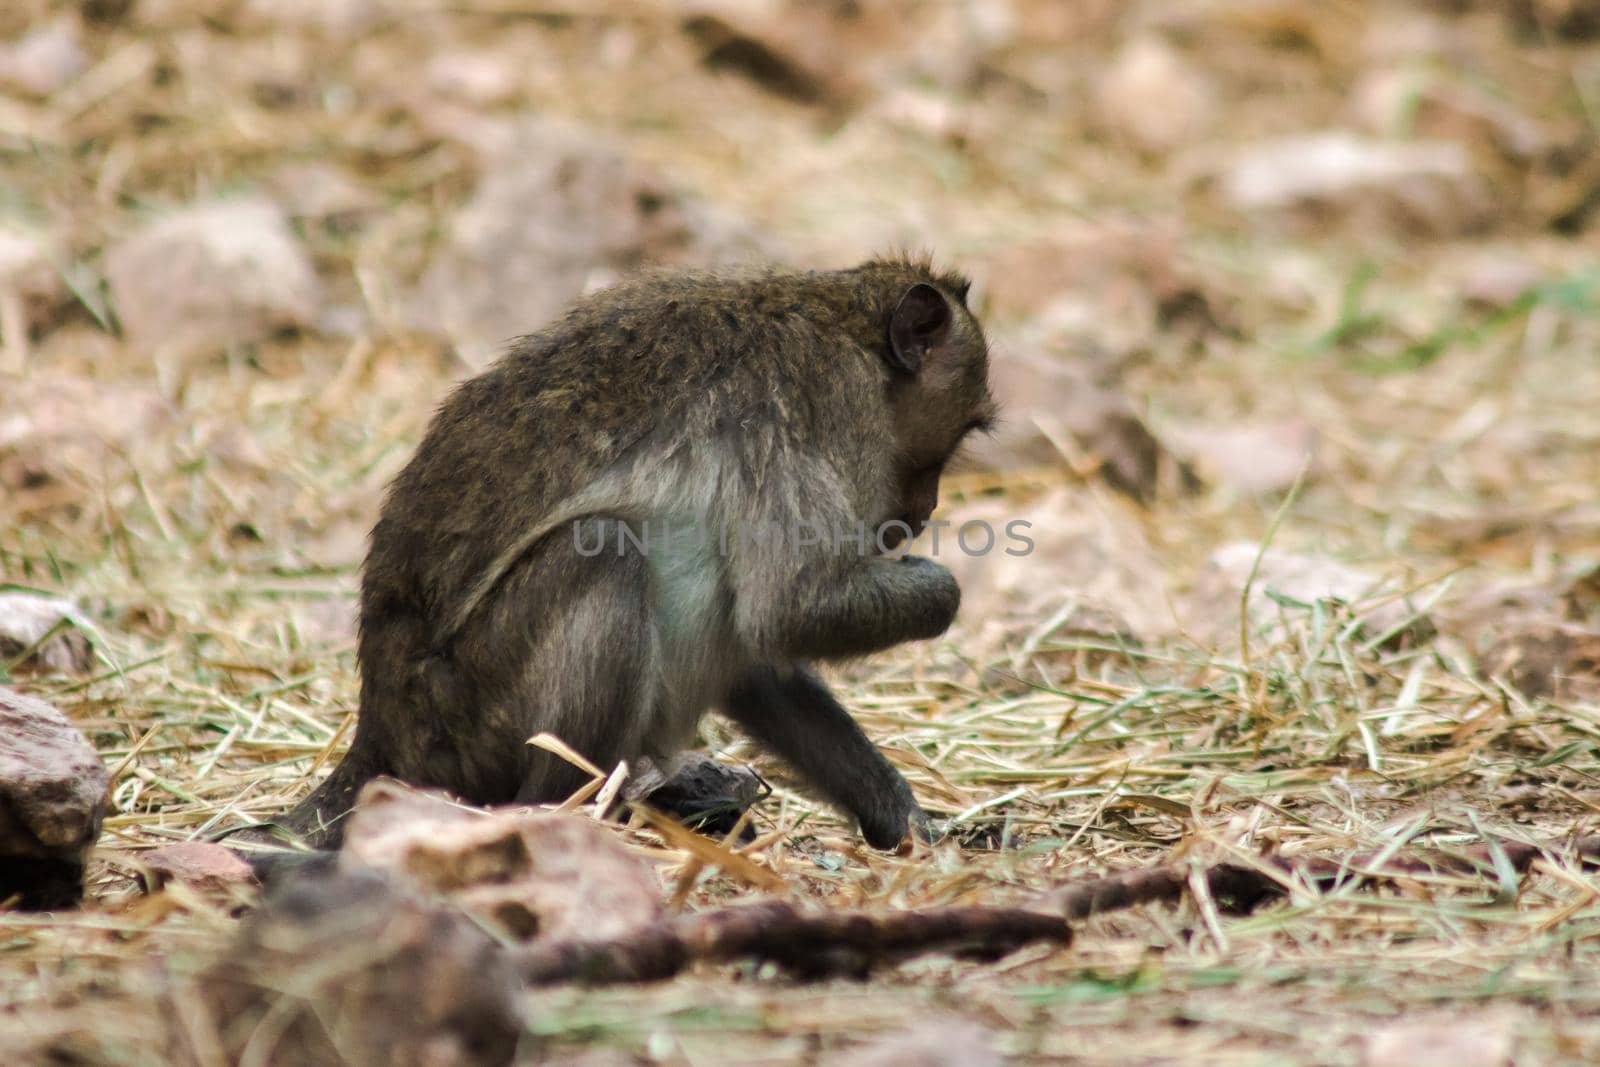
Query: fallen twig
{"type": "Point", "coordinates": [806, 945]}
{"type": "Point", "coordinates": [818, 945]}
{"type": "Point", "coordinates": [1241, 888]}
{"type": "Point", "coordinates": [829, 944]}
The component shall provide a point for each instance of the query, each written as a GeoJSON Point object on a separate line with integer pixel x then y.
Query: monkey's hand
{"type": "Point", "coordinates": [897, 831]}
{"type": "Point", "coordinates": [892, 819]}
{"type": "Point", "coordinates": [920, 829]}
{"type": "Point", "coordinates": [932, 595]}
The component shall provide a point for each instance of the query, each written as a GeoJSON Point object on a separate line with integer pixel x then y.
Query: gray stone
{"type": "Point", "coordinates": [52, 798]}
{"type": "Point", "coordinates": [1421, 186]}
{"type": "Point", "coordinates": [210, 275]}
{"type": "Point", "coordinates": [560, 212]}
{"type": "Point", "coordinates": [26, 622]}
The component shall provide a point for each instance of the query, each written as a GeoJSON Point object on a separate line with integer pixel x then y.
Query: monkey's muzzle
{"type": "Point", "coordinates": [900, 530]}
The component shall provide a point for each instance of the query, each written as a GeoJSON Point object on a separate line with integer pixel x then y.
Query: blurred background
{"type": "Point", "coordinates": [246, 245]}
{"type": "Point", "coordinates": [1322, 273]}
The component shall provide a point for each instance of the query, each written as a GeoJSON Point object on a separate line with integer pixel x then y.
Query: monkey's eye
{"type": "Point", "coordinates": [959, 454]}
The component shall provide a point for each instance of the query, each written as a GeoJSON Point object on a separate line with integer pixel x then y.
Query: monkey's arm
{"type": "Point", "coordinates": [859, 606]}
{"type": "Point", "coordinates": [789, 710]}
{"type": "Point", "coordinates": [828, 598]}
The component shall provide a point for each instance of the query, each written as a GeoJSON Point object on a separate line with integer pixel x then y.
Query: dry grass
{"type": "Point", "coordinates": [208, 515]}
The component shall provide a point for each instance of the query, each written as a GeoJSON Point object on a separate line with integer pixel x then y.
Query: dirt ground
{"type": "Point", "coordinates": [1293, 307]}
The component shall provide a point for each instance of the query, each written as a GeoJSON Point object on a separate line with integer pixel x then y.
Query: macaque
{"type": "Point", "coordinates": [677, 498]}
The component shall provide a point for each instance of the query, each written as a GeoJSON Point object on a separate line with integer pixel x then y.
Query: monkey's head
{"type": "Point", "coordinates": [938, 389]}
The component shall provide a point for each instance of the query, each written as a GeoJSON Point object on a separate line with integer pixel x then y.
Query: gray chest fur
{"type": "Point", "coordinates": [693, 615]}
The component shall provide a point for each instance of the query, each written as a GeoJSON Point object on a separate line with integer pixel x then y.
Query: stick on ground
{"type": "Point", "coordinates": [806, 945]}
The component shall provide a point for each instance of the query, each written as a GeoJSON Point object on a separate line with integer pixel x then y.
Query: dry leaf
{"type": "Point", "coordinates": [1057, 415]}
{"type": "Point", "coordinates": [351, 968]}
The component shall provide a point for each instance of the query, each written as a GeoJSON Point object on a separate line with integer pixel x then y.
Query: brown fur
{"type": "Point", "coordinates": [702, 399]}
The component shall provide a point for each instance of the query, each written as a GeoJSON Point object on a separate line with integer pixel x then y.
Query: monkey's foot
{"type": "Point", "coordinates": [705, 795]}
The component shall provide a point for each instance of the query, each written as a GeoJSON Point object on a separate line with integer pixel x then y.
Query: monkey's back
{"type": "Point", "coordinates": [672, 360]}
{"type": "Point", "coordinates": [763, 395]}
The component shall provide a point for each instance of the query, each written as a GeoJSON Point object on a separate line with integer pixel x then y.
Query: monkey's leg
{"type": "Point", "coordinates": [394, 721]}
{"type": "Point", "coordinates": [791, 711]}
{"type": "Point", "coordinates": [565, 646]}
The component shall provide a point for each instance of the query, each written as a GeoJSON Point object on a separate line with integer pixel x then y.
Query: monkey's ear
{"type": "Point", "coordinates": [920, 321]}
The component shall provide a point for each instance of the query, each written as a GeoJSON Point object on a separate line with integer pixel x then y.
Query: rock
{"type": "Point", "coordinates": [1063, 566]}
{"type": "Point", "coordinates": [698, 791]}
{"type": "Point", "coordinates": [57, 433]}
{"type": "Point", "coordinates": [353, 968]}
{"type": "Point", "coordinates": [210, 275]}
{"type": "Point", "coordinates": [1253, 458]}
{"type": "Point", "coordinates": [480, 78]}
{"type": "Point", "coordinates": [936, 1043]}
{"type": "Point", "coordinates": [1441, 1041]}
{"type": "Point", "coordinates": [25, 618]}
{"type": "Point", "coordinates": [529, 873]}
{"type": "Point", "coordinates": [1423, 186]}
{"type": "Point", "coordinates": [1415, 102]}
{"type": "Point", "coordinates": [202, 864]}
{"type": "Point", "coordinates": [1210, 614]}
{"type": "Point", "coordinates": [321, 192]}
{"type": "Point", "coordinates": [1109, 285]}
{"type": "Point", "coordinates": [1056, 413]}
{"type": "Point", "coordinates": [561, 212]}
{"type": "Point", "coordinates": [44, 59]}
{"type": "Point", "coordinates": [29, 287]}
{"type": "Point", "coordinates": [1559, 661]}
{"type": "Point", "coordinates": [1154, 97]}
{"type": "Point", "coordinates": [52, 798]}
